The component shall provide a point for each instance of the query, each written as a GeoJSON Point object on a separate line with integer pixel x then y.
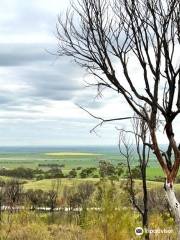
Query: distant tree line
{"type": "Point", "coordinates": [50, 165]}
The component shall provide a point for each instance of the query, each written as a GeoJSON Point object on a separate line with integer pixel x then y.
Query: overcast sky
{"type": "Point", "coordinates": [40, 92]}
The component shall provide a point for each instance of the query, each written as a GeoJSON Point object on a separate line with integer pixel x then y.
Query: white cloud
{"type": "Point", "coordinates": [39, 92]}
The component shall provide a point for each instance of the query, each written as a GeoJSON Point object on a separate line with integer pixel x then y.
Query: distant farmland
{"type": "Point", "coordinates": [70, 159]}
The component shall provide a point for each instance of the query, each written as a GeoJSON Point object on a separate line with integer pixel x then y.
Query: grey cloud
{"type": "Point", "coordinates": [52, 85]}
{"type": "Point", "coordinates": [26, 17]}
{"type": "Point", "coordinates": [22, 54]}
{"type": "Point", "coordinates": [5, 99]}
{"type": "Point", "coordinates": [48, 80]}
{"type": "Point", "coordinates": [46, 76]}
{"type": "Point", "coordinates": [42, 83]}
{"type": "Point", "coordinates": [23, 104]}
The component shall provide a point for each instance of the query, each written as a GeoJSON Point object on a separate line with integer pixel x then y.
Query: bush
{"type": "Point", "coordinates": [39, 177]}
{"type": "Point", "coordinates": [54, 172]}
{"type": "Point", "coordinates": [36, 198]}
{"type": "Point", "coordinates": [106, 169]}
{"type": "Point", "coordinates": [18, 172]}
{"type": "Point", "coordinates": [72, 173]}
{"type": "Point", "coordinates": [87, 172]}
{"type": "Point", "coordinates": [78, 168]}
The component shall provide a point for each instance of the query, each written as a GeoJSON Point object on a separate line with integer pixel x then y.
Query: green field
{"type": "Point", "coordinates": [73, 154]}
{"type": "Point", "coordinates": [69, 160]}
{"type": "Point", "coordinates": [32, 160]}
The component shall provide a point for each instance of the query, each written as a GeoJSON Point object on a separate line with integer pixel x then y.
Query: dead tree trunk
{"type": "Point", "coordinates": [174, 205]}
{"type": "Point", "coordinates": [145, 201]}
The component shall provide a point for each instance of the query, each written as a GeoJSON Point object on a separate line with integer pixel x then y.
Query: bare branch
{"type": "Point", "coordinates": [103, 120]}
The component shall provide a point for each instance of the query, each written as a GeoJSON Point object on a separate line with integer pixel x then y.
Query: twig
{"type": "Point", "coordinates": [102, 119]}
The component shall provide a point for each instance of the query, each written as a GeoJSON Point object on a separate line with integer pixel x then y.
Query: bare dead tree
{"type": "Point", "coordinates": [106, 37]}
{"type": "Point", "coordinates": [53, 194]}
{"type": "Point", "coordinates": [13, 191]}
{"type": "Point", "coordinates": [141, 148]}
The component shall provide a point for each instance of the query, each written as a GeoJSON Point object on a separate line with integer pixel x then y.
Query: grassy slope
{"type": "Point", "coordinates": [46, 184]}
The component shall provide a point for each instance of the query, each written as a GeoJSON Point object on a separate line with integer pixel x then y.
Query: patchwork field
{"type": "Point", "coordinates": [68, 160]}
